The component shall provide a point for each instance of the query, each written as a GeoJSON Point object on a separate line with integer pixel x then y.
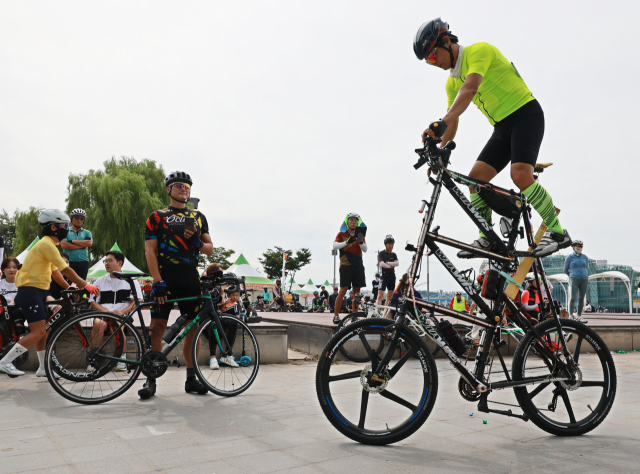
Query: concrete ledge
{"type": "Point", "coordinates": [272, 341]}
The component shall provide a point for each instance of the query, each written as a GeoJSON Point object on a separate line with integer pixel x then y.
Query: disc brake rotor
{"type": "Point", "coordinates": [371, 385]}
{"type": "Point", "coordinates": [573, 384]}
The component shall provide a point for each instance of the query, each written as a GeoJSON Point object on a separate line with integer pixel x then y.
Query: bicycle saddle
{"type": "Point", "coordinates": [128, 276]}
{"type": "Point", "coordinates": [541, 166]}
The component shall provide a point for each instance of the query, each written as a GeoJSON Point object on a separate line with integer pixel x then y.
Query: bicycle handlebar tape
{"type": "Point", "coordinates": [438, 128]}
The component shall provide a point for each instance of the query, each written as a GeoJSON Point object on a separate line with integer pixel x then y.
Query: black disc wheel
{"type": "Point", "coordinates": [464, 331]}
{"type": "Point", "coordinates": [382, 407]}
{"type": "Point", "coordinates": [89, 360]}
{"type": "Point", "coordinates": [353, 349]}
{"type": "Point", "coordinates": [581, 401]}
{"type": "Point", "coordinates": [233, 376]}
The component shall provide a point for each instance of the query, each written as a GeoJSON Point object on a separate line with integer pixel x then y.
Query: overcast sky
{"type": "Point", "coordinates": [290, 114]}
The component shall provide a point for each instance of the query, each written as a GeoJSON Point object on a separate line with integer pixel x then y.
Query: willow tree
{"type": "Point", "coordinates": [27, 228]}
{"type": "Point", "coordinates": [118, 201]}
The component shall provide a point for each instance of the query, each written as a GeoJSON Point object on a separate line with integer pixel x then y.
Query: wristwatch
{"type": "Point", "coordinates": [201, 244]}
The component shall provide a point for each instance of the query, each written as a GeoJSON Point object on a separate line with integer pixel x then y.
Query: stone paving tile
{"type": "Point", "coordinates": [278, 426]}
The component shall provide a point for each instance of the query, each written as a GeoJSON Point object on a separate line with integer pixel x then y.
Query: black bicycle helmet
{"type": "Point", "coordinates": [178, 177]}
{"type": "Point", "coordinates": [429, 35]}
{"type": "Point", "coordinates": [389, 239]}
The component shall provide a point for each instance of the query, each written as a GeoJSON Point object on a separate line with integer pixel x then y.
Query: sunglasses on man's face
{"type": "Point", "coordinates": [432, 57]}
{"type": "Point", "coordinates": [181, 186]}
{"type": "Point", "coordinates": [80, 218]}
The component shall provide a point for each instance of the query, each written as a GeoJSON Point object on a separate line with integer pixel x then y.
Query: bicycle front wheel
{"type": "Point", "coordinates": [232, 377]}
{"type": "Point", "coordinates": [567, 407]}
{"type": "Point", "coordinates": [352, 349]}
{"type": "Point", "coordinates": [89, 374]}
{"type": "Point", "coordinates": [384, 407]}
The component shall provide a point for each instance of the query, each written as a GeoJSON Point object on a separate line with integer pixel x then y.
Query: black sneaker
{"type": "Point", "coordinates": [480, 243]}
{"type": "Point", "coordinates": [552, 242]}
{"type": "Point", "coordinates": [336, 320]}
{"type": "Point", "coordinates": [148, 390]}
{"type": "Point", "coordinates": [194, 385]}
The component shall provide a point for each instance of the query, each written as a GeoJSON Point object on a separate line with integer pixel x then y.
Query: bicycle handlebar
{"type": "Point", "coordinates": [432, 152]}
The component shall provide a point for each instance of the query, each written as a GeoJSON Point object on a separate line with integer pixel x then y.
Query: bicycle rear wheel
{"type": "Point", "coordinates": [352, 349]}
{"type": "Point", "coordinates": [569, 407]}
{"type": "Point", "coordinates": [226, 381]}
{"type": "Point", "coordinates": [379, 411]}
{"type": "Point", "coordinates": [86, 374]}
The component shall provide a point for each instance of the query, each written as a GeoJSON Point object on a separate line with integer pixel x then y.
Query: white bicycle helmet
{"type": "Point", "coordinates": [78, 212]}
{"type": "Point", "coordinates": [353, 214]}
{"type": "Point", "coordinates": [53, 216]}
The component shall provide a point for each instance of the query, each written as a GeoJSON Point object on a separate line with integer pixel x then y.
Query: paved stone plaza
{"type": "Point", "coordinates": [277, 426]}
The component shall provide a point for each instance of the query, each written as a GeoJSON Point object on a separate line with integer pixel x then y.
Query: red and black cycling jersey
{"type": "Point", "coordinates": [352, 253]}
{"type": "Point", "coordinates": [167, 227]}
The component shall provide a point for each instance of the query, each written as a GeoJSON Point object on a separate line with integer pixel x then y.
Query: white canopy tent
{"type": "Point", "coordinates": [24, 253]}
{"type": "Point", "coordinates": [611, 276]}
{"type": "Point", "coordinates": [98, 269]}
{"type": "Point", "coordinates": [253, 279]}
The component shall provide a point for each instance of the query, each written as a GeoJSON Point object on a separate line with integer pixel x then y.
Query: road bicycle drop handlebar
{"type": "Point", "coordinates": [431, 152]}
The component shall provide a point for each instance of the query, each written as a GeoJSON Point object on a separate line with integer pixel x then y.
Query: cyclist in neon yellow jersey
{"type": "Point", "coordinates": [481, 74]}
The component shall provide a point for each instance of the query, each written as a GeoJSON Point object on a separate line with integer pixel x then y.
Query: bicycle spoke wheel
{"type": "Point", "coordinates": [365, 407]}
{"type": "Point", "coordinates": [568, 407]}
{"type": "Point", "coordinates": [226, 381]}
{"type": "Point", "coordinates": [353, 348]}
{"type": "Point", "coordinates": [89, 374]}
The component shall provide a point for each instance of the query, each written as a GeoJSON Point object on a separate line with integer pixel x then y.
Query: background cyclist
{"type": "Point", "coordinates": [278, 295]}
{"type": "Point", "coordinates": [41, 263]}
{"type": "Point", "coordinates": [387, 261]}
{"type": "Point", "coordinates": [480, 73]}
{"type": "Point", "coordinates": [115, 297]}
{"type": "Point", "coordinates": [351, 245]}
{"type": "Point", "coordinates": [77, 243]}
{"type": "Point", "coordinates": [459, 302]}
{"type": "Point", "coordinates": [172, 250]}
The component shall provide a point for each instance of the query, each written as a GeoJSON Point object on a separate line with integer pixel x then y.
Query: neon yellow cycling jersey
{"type": "Point", "coordinates": [502, 90]}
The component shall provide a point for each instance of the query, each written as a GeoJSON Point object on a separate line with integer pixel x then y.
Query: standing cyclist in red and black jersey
{"type": "Point", "coordinates": [351, 245]}
{"type": "Point", "coordinates": [172, 255]}
{"type": "Point", "coordinates": [480, 73]}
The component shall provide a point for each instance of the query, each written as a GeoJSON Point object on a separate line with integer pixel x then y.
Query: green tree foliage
{"type": "Point", "coordinates": [272, 260]}
{"type": "Point", "coordinates": [27, 228]}
{"type": "Point", "coordinates": [7, 232]}
{"type": "Point", "coordinates": [118, 200]}
{"type": "Point", "coordinates": [220, 256]}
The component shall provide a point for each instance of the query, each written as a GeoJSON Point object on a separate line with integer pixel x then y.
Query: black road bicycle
{"type": "Point", "coordinates": [86, 364]}
{"type": "Point", "coordinates": [557, 386]}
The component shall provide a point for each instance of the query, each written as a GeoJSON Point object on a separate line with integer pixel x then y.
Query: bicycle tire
{"type": "Point", "coordinates": [79, 388]}
{"type": "Point", "coordinates": [102, 370]}
{"type": "Point", "coordinates": [403, 380]}
{"type": "Point", "coordinates": [232, 375]}
{"type": "Point", "coordinates": [346, 321]}
{"type": "Point", "coordinates": [462, 330]}
{"type": "Point", "coordinates": [575, 427]}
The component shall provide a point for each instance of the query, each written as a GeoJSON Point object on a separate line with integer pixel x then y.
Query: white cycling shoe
{"type": "Point", "coordinates": [120, 367]}
{"type": "Point", "coordinates": [229, 360]}
{"type": "Point", "coordinates": [10, 369]}
{"type": "Point", "coordinates": [213, 364]}
{"type": "Point", "coordinates": [43, 373]}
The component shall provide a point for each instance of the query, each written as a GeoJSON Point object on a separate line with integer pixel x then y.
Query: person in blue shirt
{"type": "Point", "coordinates": [576, 265]}
{"type": "Point", "coordinates": [76, 245]}
{"type": "Point", "coordinates": [266, 294]}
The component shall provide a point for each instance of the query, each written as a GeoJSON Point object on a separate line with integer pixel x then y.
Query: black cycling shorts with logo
{"type": "Point", "coordinates": [516, 138]}
{"type": "Point", "coordinates": [351, 275]}
{"type": "Point", "coordinates": [388, 282]}
{"type": "Point", "coordinates": [182, 281]}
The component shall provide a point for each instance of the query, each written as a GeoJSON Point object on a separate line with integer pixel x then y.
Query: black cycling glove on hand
{"type": "Point", "coordinates": [360, 238]}
{"type": "Point", "coordinates": [352, 239]}
{"type": "Point", "coordinates": [159, 289]}
{"type": "Point", "coordinates": [195, 240]}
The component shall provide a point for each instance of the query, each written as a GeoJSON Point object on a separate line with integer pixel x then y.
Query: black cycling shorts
{"type": "Point", "coordinates": [31, 301]}
{"type": "Point", "coordinates": [351, 275]}
{"type": "Point", "coordinates": [388, 282]}
{"type": "Point", "coordinates": [182, 281]}
{"type": "Point", "coordinates": [516, 138]}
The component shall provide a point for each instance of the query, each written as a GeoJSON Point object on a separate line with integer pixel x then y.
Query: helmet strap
{"type": "Point", "coordinates": [453, 62]}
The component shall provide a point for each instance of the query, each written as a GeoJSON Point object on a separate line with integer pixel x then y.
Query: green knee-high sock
{"type": "Point", "coordinates": [542, 202]}
{"type": "Point", "coordinates": [483, 209]}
